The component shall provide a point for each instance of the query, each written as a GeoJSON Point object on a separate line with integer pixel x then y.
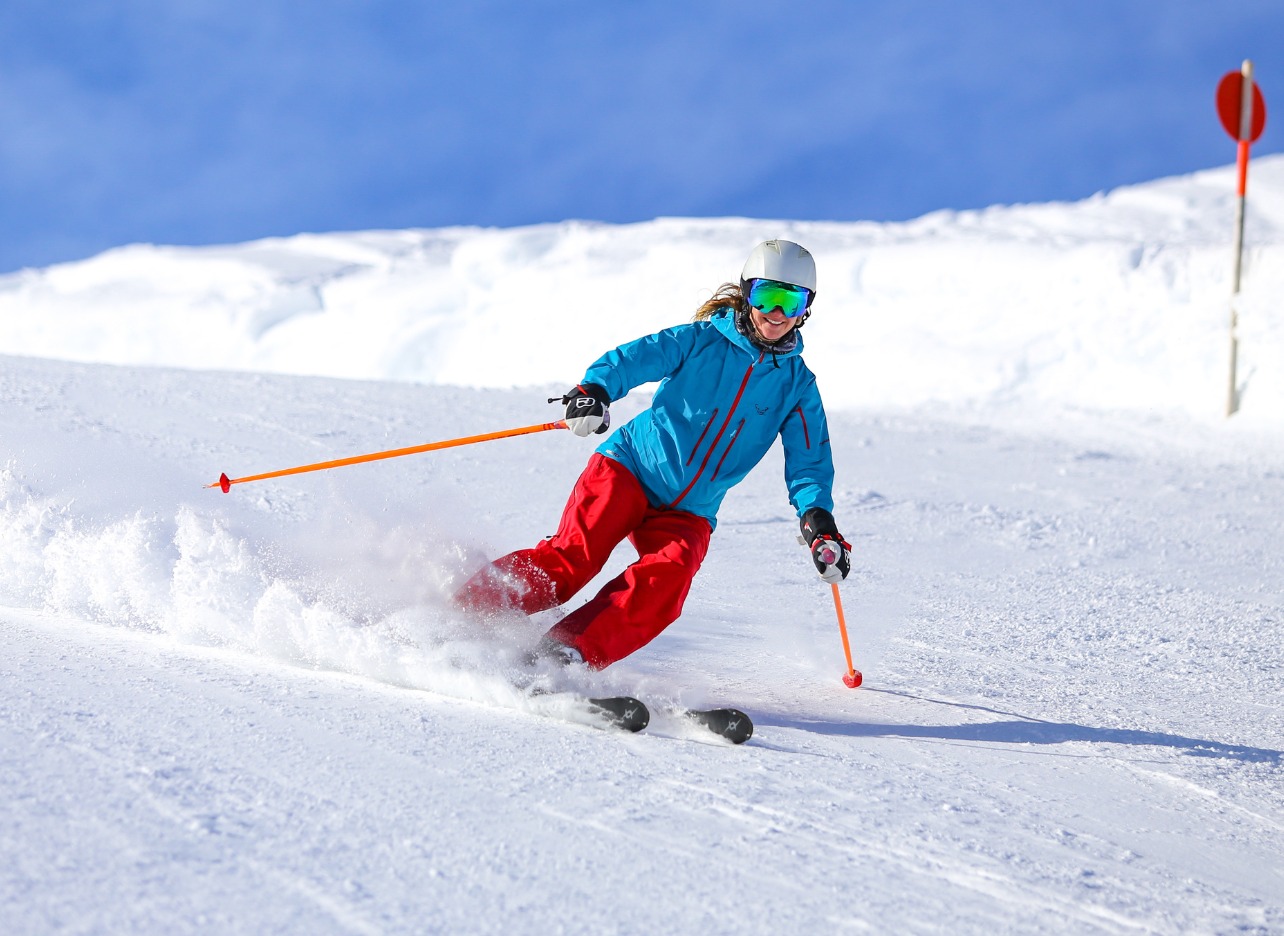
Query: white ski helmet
{"type": "Point", "coordinates": [782, 261]}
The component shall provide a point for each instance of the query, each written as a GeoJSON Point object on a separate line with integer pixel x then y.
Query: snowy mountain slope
{"type": "Point", "coordinates": [1117, 302]}
{"type": "Point", "coordinates": [252, 712]}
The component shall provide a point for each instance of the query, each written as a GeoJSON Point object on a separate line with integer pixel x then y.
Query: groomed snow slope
{"type": "Point", "coordinates": [253, 711]}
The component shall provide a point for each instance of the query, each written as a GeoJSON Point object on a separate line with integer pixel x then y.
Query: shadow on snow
{"type": "Point", "coordinates": [1021, 729]}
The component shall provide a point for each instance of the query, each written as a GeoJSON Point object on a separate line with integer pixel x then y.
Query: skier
{"type": "Point", "coordinates": [730, 382]}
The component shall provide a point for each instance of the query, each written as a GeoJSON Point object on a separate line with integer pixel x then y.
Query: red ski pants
{"type": "Point", "coordinates": [606, 506]}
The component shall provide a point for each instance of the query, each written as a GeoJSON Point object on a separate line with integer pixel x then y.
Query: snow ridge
{"type": "Point", "coordinates": [1119, 302]}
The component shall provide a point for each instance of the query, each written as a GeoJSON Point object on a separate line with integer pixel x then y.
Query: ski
{"type": "Point", "coordinates": [621, 712]}
{"type": "Point", "coordinates": [630, 714]}
{"type": "Point", "coordinates": [732, 724]}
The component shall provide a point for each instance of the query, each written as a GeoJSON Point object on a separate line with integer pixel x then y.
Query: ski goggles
{"type": "Point", "coordinates": [765, 295]}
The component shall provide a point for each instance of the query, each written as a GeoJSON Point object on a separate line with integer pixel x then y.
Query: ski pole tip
{"type": "Point", "coordinates": [224, 483]}
{"type": "Point", "coordinates": [853, 679]}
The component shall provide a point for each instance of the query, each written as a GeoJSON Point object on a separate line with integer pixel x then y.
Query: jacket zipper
{"type": "Point", "coordinates": [735, 434]}
{"type": "Point", "coordinates": [723, 428]}
{"type": "Point", "coordinates": [806, 434]}
{"type": "Point", "coordinates": [695, 448]}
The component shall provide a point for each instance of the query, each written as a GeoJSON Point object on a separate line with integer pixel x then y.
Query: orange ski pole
{"type": "Point", "coordinates": [226, 483]}
{"type": "Point", "coordinates": [852, 678]}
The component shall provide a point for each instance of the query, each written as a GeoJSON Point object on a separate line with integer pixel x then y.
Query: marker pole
{"type": "Point", "coordinates": [1244, 142]}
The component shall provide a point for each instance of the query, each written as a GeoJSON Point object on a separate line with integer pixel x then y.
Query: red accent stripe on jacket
{"type": "Point", "coordinates": [735, 434]}
{"type": "Point", "coordinates": [714, 444]}
{"type": "Point", "coordinates": [696, 447]}
{"type": "Point", "coordinates": [806, 434]}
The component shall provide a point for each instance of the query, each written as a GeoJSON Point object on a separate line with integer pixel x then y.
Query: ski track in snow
{"type": "Point", "coordinates": [252, 712]}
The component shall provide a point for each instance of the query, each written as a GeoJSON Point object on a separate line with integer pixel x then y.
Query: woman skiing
{"type": "Point", "coordinates": [730, 382]}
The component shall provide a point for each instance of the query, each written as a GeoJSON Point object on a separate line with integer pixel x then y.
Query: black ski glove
{"type": "Point", "coordinates": [829, 551]}
{"type": "Point", "coordinates": [587, 409]}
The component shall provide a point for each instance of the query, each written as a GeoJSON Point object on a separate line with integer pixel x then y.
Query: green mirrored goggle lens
{"type": "Point", "coordinates": [765, 295]}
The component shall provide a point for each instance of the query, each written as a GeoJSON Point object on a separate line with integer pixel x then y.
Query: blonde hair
{"type": "Point", "coordinates": [726, 296]}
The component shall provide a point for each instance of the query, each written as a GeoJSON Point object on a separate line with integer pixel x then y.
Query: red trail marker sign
{"type": "Point", "coordinates": [1230, 106]}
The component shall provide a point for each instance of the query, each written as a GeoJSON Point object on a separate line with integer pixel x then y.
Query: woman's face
{"type": "Point", "coordinates": [773, 325]}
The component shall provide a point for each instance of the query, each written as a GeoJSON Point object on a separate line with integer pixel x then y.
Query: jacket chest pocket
{"type": "Point", "coordinates": [735, 434]}
{"type": "Point", "coordinates": [704, 432]}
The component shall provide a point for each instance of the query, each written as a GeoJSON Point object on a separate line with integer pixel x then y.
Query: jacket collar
{"type": "Point", "coordinates": [725, 321]}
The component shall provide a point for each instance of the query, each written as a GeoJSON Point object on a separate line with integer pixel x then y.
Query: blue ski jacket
{"type": "Point", "coordinates": [720, 405]}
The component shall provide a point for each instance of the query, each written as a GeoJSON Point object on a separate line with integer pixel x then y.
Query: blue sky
{"type": "Point", "coordinates": [195, 121]}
